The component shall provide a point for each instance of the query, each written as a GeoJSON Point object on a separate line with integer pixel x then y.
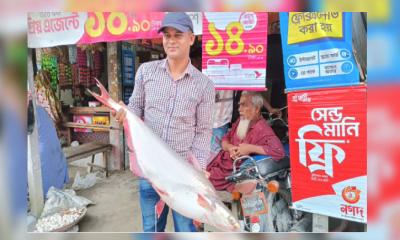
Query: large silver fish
{"type": "Point", "coordinates": [180, 185]}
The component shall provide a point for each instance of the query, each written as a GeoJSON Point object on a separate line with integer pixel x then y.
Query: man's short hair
{"type": "Point", "coordinates": [256, 98]}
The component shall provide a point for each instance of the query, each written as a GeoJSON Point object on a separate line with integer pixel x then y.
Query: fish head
{"type": "Point", "coordinates": [223, 219]}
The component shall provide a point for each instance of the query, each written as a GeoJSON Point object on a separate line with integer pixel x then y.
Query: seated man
{"type": "Point", "coordinates": [250, 134]}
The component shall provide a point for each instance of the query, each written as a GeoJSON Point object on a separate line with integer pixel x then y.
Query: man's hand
{"type": "Point", "coordinates": [207, 174]}
{"type": "Point", "coordinates": [245, 149]}
{"type": "Point", "coordinates": [120, 115]}
{"type": "Point", "coordinates": [275, 111]}
{"type": "Point", "coordinates": [234, 152]}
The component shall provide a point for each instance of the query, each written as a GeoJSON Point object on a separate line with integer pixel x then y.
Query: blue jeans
{"type": "Point", "coordinates": [148, 201]}
{"type": "Point", "coordinates": [216, 139]}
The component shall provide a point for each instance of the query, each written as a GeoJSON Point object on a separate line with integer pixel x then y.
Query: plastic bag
{"type": "Point", "coordinates": [59, 200]}
{"type": "Point", "coordinates": [84, 182]}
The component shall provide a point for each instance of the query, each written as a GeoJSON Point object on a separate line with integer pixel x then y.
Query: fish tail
{"type": "Point", "coordinates": [104, 97]}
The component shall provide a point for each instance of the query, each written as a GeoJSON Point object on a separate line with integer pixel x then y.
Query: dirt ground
{"type": "Point", "coordinates": [116, 201]}
{"type": "Point", "coordinates": [117, 208]}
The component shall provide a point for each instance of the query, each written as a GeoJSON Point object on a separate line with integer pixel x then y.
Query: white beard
{"type": "Point", "coordinates": [242, 128]}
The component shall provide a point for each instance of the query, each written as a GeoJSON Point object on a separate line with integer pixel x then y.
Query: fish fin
{"type": "Point", "coordinates": [160, 204]}
{"type": "Point", "coordinates": [205, 203]}
{"type": "Point", "coordinates": [197, 224]}
{"type": "Point", "coordinates": [193, 160]}
{"type": "Point", "coordinates": [133, 164]}
{"type": "Point", "coordinates": [159, 208]}
{"type": "Point", "coordinates": [160, 192]}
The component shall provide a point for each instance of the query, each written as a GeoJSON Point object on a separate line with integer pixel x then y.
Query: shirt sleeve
{"type": "Point", "coordinates": [202, 140]}
{"type": "Point", "coordinates": [272, 146]}
{"type": "Point", "coordinates": [136, 101]}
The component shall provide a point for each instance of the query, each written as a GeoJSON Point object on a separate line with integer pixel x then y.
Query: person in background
{"type": "Point", "coordinates": [266, 105]}
{"type": "Point", "coordinates": [222, 116]}
{"type": "Point", "coordinates": [250, 134]}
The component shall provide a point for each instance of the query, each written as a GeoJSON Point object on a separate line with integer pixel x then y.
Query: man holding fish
{"type": "Point", "coordinates": [175, 100]}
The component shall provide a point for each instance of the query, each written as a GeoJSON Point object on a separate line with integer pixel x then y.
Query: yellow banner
{"type": "Point", "coordinates": [101, 120]}
{"type": "Point", "coordinates": [378, 10]}
{"type": "Point", "coordinates": [308, 26]}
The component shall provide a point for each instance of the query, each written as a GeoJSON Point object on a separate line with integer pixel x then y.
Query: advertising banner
{"type": "Point", "coordinates": [235, 49]}
{"type": "Point", "coordinates": [328, 156]}
{"type": "Point", "coordinates": [317, 50]}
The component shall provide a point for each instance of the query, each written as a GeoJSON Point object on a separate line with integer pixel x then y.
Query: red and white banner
{"type": "Point", "coordinates": [328, 151]}
{"type": "Point", "coordinates": [48, 29]}
{"type": "Point", "coordinates": [384, 155]}
{"type": "Point", "coordinates": [235, 49]}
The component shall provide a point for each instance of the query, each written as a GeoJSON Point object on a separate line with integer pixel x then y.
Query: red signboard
{"type": "Point", "coordinates": [328, 151]}
{"type": "Point", "coordinates": [383, 154]}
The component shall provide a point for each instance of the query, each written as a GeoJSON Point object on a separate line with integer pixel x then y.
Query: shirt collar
{"type": "Point", "coordinates": [256, 123]}
{"type": "Point", "coordinates": [189, 69]}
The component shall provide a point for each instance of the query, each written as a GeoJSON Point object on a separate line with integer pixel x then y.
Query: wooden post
{"type": "Point", "coordinates": [34, 164]}
{"type": "Point", "coordinates": [116, 161]}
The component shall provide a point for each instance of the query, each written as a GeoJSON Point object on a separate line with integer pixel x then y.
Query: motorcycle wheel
{"type": "Point", "coordinates": [283, 219]}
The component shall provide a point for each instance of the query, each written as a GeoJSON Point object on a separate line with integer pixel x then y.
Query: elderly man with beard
{"type": "Point", "coordinates": [250, 134]}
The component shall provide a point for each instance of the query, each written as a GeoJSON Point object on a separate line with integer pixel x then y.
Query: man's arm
{"type": "Point", "coordinates": [202, 139]}
{"type": "Point", "coordinates": [247, 149]}
{"type": "Point", "coordinates": [232, 149]}
{"type": "Point", "coordinates": [269, 145]}
{"type": "Point", "coordinates": [270, 109]}
{"type": "Point", "coordinates": [136, 101]}
{"type": "Point", "coordinates": [226, 145]}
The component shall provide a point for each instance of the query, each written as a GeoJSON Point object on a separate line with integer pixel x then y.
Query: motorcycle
{"type": "Point", "coordinates": [264, 188]}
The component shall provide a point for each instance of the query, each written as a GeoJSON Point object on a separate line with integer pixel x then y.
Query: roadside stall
{"type": "Point", "coordinates": [302, 63]}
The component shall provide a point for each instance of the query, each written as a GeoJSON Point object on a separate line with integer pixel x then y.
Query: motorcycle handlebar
{"type": "Point", "coordinates": [233, 177]}
{"type": "Point", "coordinates": [236, 174]}
{"type": "Point", "coordinates": [240, 159]}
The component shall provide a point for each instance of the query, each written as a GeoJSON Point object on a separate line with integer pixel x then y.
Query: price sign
{"type": "Point", "coordinates": [116, 26]}
{"type": "Point", "coordinates": [234, 49]}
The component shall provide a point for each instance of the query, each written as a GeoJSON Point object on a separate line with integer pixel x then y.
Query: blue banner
{"type": "Point", "coordinates": [317, 50]}
{"type": "Point", "coordinates": [384, 48]}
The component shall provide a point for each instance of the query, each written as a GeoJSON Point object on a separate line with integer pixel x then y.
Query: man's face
{"type": "Point", "coordinates": [246, 108]}
{"type": "Point", "coordinates": [177, 44]}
